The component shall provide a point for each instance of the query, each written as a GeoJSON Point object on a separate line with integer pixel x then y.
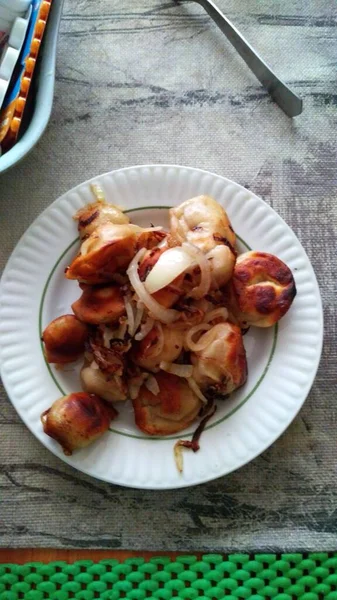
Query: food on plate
{"type": "Point", "coordinates": [98, 213]}
{"type": "Point", "coordinates": [99, 304]}
{"type": "Point", "coordinates": [173, 408]}
{"type": "Point", "coordinates": [161, 319]}
{"type": "Point", "coordinates": [263, 288]}
{"type": "Point", "coordinates": [161, 344]}
{"type": "Point", "coordinates": [203, 222]}
{"type": "Point", "coordinates": [77, 420]}
{"type": "Point", "coordinates": [219, 361]}
{"type": "Point", "coordinates": [106, 251]}
{"type": "Point", "coordinates": [64, 339]}
{"type": "Point", "coordinates": [111, 388]}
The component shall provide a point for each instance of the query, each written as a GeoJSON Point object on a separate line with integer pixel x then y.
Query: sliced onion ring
{"type": "Point", "coordinates": [165, 315]}
{"type": "Point", "coordinates": [170, 264]}
{"type": "Point", "coordinates": [196, 346]}
{"type": "Point", "coordinates": [218, 313]}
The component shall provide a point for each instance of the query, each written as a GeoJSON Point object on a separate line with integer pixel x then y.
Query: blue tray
{"type": "Point", "coordinates": [36, 118]}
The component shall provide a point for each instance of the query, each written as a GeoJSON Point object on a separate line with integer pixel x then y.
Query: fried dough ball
{"type": "Point", "coordinates": [221, 366]}
{"type": "Point", "coordinates": [263, 288]}
{"type": "Point", "coordinates": [64, 339]}
{"type": "Point", "coordinates": [111, 388]}
{"type": "Point", "coordinates": [201, 221]}
{"type": "Point", "coordinates": [101, 304]}
{"type": "Point", "coordinates": [222, 261]}
{"type": "Point", "coordinates": [149, 352]}
{"type": "Point", "coordinates": [77, 420]}
{"type": "Point", "coordinates": [93, 215]}
{"type": "Point", "coordinates": [173, 409]}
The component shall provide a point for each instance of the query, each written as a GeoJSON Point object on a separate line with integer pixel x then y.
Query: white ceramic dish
{"type": "Point", "coordinates": [282, 360]}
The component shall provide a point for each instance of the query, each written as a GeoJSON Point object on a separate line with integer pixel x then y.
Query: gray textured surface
{"type": "Point", "coordinates": [144, 81]}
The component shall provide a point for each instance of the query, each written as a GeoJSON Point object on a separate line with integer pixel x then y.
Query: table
{"type": "Point", "coordinates": [148, 81]}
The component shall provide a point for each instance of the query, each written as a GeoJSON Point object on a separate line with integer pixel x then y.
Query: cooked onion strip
{"type": "Point", "coordinates": [165, 315]}
{"type": "Point", "coordinates": [205, 271]}
{"type": "Point", "coordinates": [196, 346]}
{"type": "Point", "coordinates": [152, 385]}
{"type": "Point", "coordinates": [130, 315]}
{"type": "Point", "coordinates": [195, 388]}
{"type": "Point", "coordinates": [98, 192]}
{"type": "Point", "coordinates": [158, 348]}
{"type": "Point", "coordinates": [139, 316]}
{"type": "Point", "coordinates": [108, 335]}
{"type": "Point", "coordinates": [179, 370]}
{"type": "Point", "coordinates": [145, 328]}
{"type": "Point", "coordinates": [178, 456]}
{"type": "Point", "coordinates": [170, 264]}
{"type": "Point", "coordinates": [217, 313]}
{"type": "Point", "coordinates": [146, 229]}
{"type": "Point", "coordinates": [121, 331]}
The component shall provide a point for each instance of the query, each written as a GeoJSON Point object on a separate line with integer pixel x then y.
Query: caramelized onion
{"type": "Point", "coordinates": [205, 271]}
{"type": "Point", "coordinates": [217, 313]}
{"type": "Point", "coordinates": [130, 315]}
{"type": "Point", "coordinates": [196, 346]}
{"type": "Point", "coordinates": [170, 264]}
{"type": "Point", "coordinates": [145, 328]}
{"type": "Point", "coordinates": [196, 389]}
{"type": "Point", "coordinates": [152, 385]}
{"type": "Point", "coordinates": [179, 370]}
{"type": "Point", "coordinates": [165, 315]}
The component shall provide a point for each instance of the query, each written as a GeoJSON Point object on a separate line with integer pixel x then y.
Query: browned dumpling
{"type": "Point", "coordinates": [111, 388]}
{"type": "Point", "coordinates": [222, 260]}
{"type": "Point", "coordinates": [107, 250]}
{"type": "Point", "coordinates": [77, 420]}
{"type": "Point", "coordinates": [263, 288]}
{"type": "Point", "coordinates": [201, 221]}
{"type": "Point", "coordinates": [100, 304]}
{"type": "Point", "coordinates": [64, 339]}
{"type": "Point", "coordinates": [93, 215]}
{"type": "Point", "coordinates": [173, 409]}
{"type": "Point", "coordinates": [221, 366]}
{"type": "Point", "coordinates": [150, 351]}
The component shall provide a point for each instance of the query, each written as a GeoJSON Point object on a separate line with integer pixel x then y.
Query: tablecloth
{"type": "Point", "coordinates": [151, 81]}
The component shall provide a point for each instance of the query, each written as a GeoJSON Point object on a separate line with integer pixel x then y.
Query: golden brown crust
{"type": "Point", "coordinates": [64, 339]}
{"type": "Point", "coordinates": [172, 410]}
{"type": "Point", "coordinates": [263, 287]}
{"type": "Point", "coordinates": [77, 420]}
{"type": "Point", "coordinates": [109, 250]}
{"type": "Point", "coordinates": [101, 304]}
{"type": "Point", "coordinates": [221, 366]}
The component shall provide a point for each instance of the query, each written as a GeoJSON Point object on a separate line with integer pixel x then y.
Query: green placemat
{"type": "Point", "coordinates": [234, 577]}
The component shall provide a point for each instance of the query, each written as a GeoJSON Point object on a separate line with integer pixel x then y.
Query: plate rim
{"type": "Point", "coordinates": [309, 381]}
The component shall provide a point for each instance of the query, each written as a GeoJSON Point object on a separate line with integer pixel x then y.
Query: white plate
{"type": "Point", "coordinates": [282, 361]}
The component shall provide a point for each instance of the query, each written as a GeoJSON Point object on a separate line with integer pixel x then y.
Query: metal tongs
{"type": "Point", "coordinates": [289, 102]}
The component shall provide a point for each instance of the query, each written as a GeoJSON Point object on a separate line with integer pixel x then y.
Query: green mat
{"type": "Point", "coordinates": [234, 577]}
